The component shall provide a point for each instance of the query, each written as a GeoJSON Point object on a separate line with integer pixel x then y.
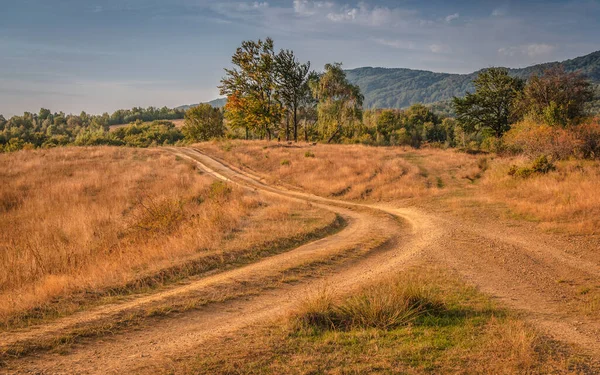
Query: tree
{"type": "Point", "coordinates": [292, 85]}
{"type": "Point", "coordinates": [252, 85]}
{"type": "Point", "coordinates": [339, 102]}
{"type": "Point", "coordinates": [490, 106]}
{"type": "Point", "coordinates": [555, 97]}
{"type": "Point", "coordinates": [387, 123]}
{"type": "Point", "coordinates": [203, 123]}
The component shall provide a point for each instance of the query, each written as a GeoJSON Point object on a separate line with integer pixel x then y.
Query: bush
{"type": "Point", "coordinates": [589, 137]}
{"type": "Point", "coordinates": [541, 165]}
{"type": "Point", "coordinates": [533, 139]}
{"type": "Point", "coordinates": [286, 162]}
{"type": "Point", "coordinates": [309, 154]}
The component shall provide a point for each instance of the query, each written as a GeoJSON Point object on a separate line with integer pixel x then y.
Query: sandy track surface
{"type": "Point", "coordinates": [521, 269]}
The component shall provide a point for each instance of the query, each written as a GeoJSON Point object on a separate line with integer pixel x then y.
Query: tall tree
{"type": "Point", "coordinates": [490, 106]}
{"type": "Point", "coordinates": [252, 84]}
{"type": "Point", "coordinates": [202, 123]}
{"type": "Point", "coordinates": [556, 97]}
{"type": "Point", "coordinates": [339, 102]}
{"type": "Point", "coordinates": [292, 85]}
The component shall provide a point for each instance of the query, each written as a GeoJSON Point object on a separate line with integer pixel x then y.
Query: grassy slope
{"type": "Point", "coordinates": [87, 223]}
{"type": "Point", "coordinates": [562, 200]}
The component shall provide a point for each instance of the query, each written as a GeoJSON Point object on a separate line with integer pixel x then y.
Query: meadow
{"type": "Point", "coordinates": [95, 221]}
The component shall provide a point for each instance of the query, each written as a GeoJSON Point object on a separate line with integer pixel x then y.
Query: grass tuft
{"type": "Point", "coordinates": [385, 305]}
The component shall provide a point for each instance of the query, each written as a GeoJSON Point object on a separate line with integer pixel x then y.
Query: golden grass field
{"type": "Point", "coordinates": [565, 200]}
{"type": "Point", "coordinates": [85, 219]}
{"type": "Point", "coordinates": [94, 234]}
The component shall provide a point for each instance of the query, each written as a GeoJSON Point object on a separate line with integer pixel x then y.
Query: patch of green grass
{"type": "Point", "coordinates": [457, 330]}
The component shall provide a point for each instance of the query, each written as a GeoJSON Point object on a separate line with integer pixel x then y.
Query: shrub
{"type": "Point", "coordinates": [541, 165]}
{"type": "Point", "coordinates": [533, 139]}
{"type": "Point", "coordinates": [589, 137]}
{"type": "Point", "coordinates": [219, 191]}
{"type": "Point", "coordinates": [309, 154]}
{"type": "Point", "coordinates": [285, 162]}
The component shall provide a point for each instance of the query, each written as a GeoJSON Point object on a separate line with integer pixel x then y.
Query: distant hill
{"type": "Point", "coordinates": [217, 103]}
{"type": "Point", "coordinates": [399, 87]}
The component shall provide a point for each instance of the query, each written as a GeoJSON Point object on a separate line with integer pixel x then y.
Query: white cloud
{"type": "Point", "coordinates": [399, 44]}
{"type": "Point", "coordinates": [362, 13]}
{"type": "Point", "coordinates": [452, 17]}
{"type": "Point", "coordinates": [530, 50]}
{"type": "Point", "coordinates": [309, 8]}
{"type": "Point", "coordinates": [439, 48]}
{"type": "Point", "coordinates": [252, 6]}
{"type": "Point", "coordinates": [498, 12]}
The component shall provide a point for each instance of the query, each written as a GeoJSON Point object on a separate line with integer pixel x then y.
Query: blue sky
{"type": "Point", "coordinates": [101, 55]}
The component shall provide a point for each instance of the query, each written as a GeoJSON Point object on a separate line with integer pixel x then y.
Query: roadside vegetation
{"type": "Point", "coordinates": [421, 321]}
{"type": "Point", "coordinates": [94, 220]}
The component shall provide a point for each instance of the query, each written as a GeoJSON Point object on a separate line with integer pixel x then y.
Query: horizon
{"type": "Point", "coordinates": [100, 56]}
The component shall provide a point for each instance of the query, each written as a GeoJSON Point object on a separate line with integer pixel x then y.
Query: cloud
{"type": "Point", "coordinates": [452, 17]}
{"type": "Point", "coordinates": [251, 6]}
{"type": "Point", "coordinates": [439, 48]}
{"type": "Point", "coordinates": [498, 12]}
{"type": "Point", "coordinates": [361, 13]}
{"type": "Point", "coordinates": [531, 50]}
{"type": "Point", "coordinates": [399, 44]}
{"type": "Point", "coordinates": [309, 8]}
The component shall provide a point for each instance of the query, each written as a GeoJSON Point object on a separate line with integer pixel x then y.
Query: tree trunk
{"type": "Point", "coordinates": [334, 133]}
{"type": "Point", "coordinates": [295, 124]}
{"type": "Point", "coordinates": [287, 126]}
{"type": "Point", "coordinates": [306, 130]}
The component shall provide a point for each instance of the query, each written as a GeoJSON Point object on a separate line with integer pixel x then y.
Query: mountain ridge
{"type": "Point", "coordinates": [401, 87]}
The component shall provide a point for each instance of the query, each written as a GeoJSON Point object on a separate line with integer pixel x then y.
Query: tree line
{"type": "Point", "coordinates": [273, 95]}
{"type": "Point", "coordinates": [48, 129]}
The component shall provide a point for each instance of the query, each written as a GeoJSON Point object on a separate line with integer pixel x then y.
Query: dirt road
{"type": "Point", "coordinates": [522, 269]}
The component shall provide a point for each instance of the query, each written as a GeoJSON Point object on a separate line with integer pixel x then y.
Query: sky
{"type": "Point", "coordinates": [102, 55]}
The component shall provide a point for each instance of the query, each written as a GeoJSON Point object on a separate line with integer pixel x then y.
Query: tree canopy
{"type": "Point", "coordinates": [491, 104]}
{"type": "Point", "coordinates": [203, 123]}
{"type": "Point", "coordinates": [339, 103]}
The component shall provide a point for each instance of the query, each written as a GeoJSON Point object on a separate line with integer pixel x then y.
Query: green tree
{"type": "Point", "coordinates": [203, 123]}
{"type": "Point", "coordinates": [387, 122]}
{"type": "Point", "coordinates": [556, 97]}
{"type": "Point", "coordinates": [339, 103]}
{"type": "Point", "coordinates": [491, 104]}
{"type": "Point", "coordinates": [251, 88]}
{"type": "Point", "coordinates": [292, 79]}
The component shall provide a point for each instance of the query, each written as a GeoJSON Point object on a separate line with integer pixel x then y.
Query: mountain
{"type": "Point", "coordinates": [217, 103]}
{"type": "Point", "coordinates": [399, 88]}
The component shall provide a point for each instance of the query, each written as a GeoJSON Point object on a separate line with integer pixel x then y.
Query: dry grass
{"type": "Point", "coordinates": [463, 334]}
{"type": "Point", "coordinates": [565, 200]}
{"type": "Point", "coordinates": [352, 171]}
{"type": "Point", "coordinates": [385, 305]}
{"type": "Point", "coordinates": [76, 219]}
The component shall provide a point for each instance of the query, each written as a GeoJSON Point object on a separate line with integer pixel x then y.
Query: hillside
{"type": "Point", "coordinates": [217, 103]}
{"type": "Point", "coordinates": [401, 87]}
{"type": "Point", "coordinates": [398, 87]}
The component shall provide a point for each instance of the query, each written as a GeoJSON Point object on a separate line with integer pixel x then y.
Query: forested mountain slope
{"type": "Point", "coordinates": [399, 88]}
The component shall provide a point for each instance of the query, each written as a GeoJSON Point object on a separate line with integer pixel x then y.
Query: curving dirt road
{"type": "Point", "coordinates": [522, 269]}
